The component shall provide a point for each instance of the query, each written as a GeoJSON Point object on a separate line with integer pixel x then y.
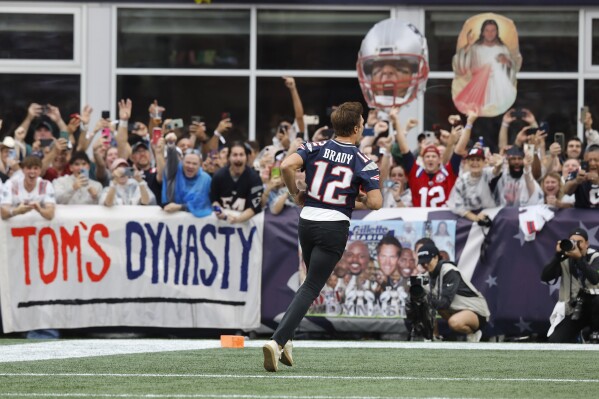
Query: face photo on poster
{"type": "Point", "coordinates": [392, 64]}
{"type": "Point", "coordinates": [371, 278]}
{"type": "Point", "coordinates": [485, 65]}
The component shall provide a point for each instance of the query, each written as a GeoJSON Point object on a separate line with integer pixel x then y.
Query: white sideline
{"type": "Point", "coordinates": [77, 348]}
{"type": "Point", "coordinates": [199, 395]}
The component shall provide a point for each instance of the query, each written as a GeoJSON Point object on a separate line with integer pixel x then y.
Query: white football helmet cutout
{"type": "Point", "coordinates": [392, 64]}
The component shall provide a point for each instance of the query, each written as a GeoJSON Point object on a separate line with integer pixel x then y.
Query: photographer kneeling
{"type": "Point", "coordinates": [454, 297]}
{"type": "Point", "coordinates": [578, 267]}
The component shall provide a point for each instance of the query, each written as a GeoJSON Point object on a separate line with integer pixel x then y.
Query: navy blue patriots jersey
{"type": "Point", "coordinates": [335, 173]}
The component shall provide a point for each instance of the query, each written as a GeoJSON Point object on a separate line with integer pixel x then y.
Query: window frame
{"type": "Point", "coordinates": [71, 66]}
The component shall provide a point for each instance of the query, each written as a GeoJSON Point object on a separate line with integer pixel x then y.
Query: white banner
{"type": "Point", "coordinates": [129, 266]}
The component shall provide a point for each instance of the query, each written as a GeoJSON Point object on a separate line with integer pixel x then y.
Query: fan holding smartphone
{"type": "Point", "coordinates": [586, 183]}
{"type": "Point", "coordinates": [591, 135]}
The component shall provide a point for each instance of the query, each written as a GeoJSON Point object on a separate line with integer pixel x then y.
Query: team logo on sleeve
{"type": "Point", "coordinates": [375, 178]}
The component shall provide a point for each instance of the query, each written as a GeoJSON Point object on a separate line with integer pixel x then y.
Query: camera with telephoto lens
{"type": "Point", "coordinates": [418, 308]}
{"type": "Point", "coordinates": [486, 222]}
{"type": "Point", "coordinates": [567, 245]}
{"type": "Point", "coordinates": [577, 304]}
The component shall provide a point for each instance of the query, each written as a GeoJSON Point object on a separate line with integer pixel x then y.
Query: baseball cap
{"type": "Point", "coordinates": [8, 142]}
{"type": "Point", "coordinates": [515, 151]}
{"type": "Point", "coordinates": [580, 232]}
{"type": "Point", "coordinates": [426, 253]}
{"type": "Point", "coordinates": [431, 148]}
{"type": "Point", "coordinates": [476, 153]}
{"type": "Point", "coordinates": [139, 144]}
{"type": "Point", "coordinates": [45, 124]}
{"type": "Point", "coordinates": [118, 162]}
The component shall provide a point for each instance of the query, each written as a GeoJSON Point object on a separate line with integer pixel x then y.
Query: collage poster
{"type": "Point", "coordinates": [371, 279]}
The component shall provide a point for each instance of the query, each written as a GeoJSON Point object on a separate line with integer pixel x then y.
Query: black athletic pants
{"type": "Point", "coordinates": [322, 245]}
{"type": "Point", "coordinates": [567, 330]}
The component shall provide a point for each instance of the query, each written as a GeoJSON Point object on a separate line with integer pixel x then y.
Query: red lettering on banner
{"type": "Point", "coordinates": [70, 245]}
{"type": "Point", "coordinates": [103, 230]}
{"type": "Point", "coordinates": [71, 242]}
{"type": "Point", "coordinates": [50, 277]}
{"type": "Point", "coordinates": [25, 232]}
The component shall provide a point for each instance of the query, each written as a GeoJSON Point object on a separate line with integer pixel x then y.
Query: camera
{"type": "Point", "coordinates": [174, 124]}
{"type": "Point", "coordinates": [567, 245]}
{"type": "Point", "coordinates": [584, 165]}
{"type": "Point", "coordinates": [486, 222]}
{"type": "Point", "coordinates": [418, 309]}
{"type": "Point", "coordinates": [389, 184]}
{"type": "Point", "coordinates": [577, 304]}
{"type": "Point", "coordinates": [518, 113]}
{"type": "Point", "coordinates": [196, 119]}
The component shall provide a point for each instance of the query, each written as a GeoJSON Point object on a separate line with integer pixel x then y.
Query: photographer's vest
{"type": "Point", "coordinates": [477, 303]}
{"type": "Point", "coordinates": [569, 286]}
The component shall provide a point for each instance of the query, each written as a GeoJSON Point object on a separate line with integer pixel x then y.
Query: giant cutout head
{"type": "Point", "coordinates": [486, 62]}
{"type": "Point", "coordinates": [392, 64]}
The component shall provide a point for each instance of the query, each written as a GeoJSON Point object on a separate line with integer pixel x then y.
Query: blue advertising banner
{"type": "Point", "coordinates": [503, 263]}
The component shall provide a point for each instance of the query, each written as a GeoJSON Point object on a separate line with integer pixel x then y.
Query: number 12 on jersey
{"type": "Point", "coordinates": [328, 180]}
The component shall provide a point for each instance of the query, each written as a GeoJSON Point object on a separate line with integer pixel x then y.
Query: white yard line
{"type": "Point", "coordinates": [76, 348]}
{"type": "Point", "coordinates": [301, 377]}
{"type": "Point", "coordinates": [224, 396]}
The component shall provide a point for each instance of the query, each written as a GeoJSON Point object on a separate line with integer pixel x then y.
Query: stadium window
{"type": "Point", "coordinates": [313, 40]}
{"type": "Point", "coordinates": [37, 36]}
{"type": "Point", "coordinates": [183, 38]}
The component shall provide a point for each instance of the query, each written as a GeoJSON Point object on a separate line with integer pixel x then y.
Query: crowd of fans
{"type": "Point", "coordinates": [189, 169]}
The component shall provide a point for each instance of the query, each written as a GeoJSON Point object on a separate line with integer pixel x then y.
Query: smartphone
{"type": "Point", "coordinates": [217, 209]}
{"type": "Point", "coordinates": [430, 135]}
{"type": "Point", "coordinates": [532, 130]}
{"type": "Point", "coordinates": [583, 113]}
{"type": "Point", "coordinates": [12, 154]}
{"type": "Point", "coordinates": [544, 126]}
{"type": "Point", "coordinates": [196, 119]}
{"type": "Point", "coordinates": [84, 172]}
{"type": "Point", "coordinates": [129, 172]}
{"type": "Point", "coordinates": [560, 138]}
{"type": "Point", "coordinates": [518, 113]}
{"type": "Point", "coordinates": [368, 131]}
{"type": "Point", "coordinates": [529, 149]}
{"type": "Point", "coordinates": [45, 109]}
{"type": "Point", "coordinates": [275, 172]}
{"type": "Point", "coordinates": [175, 123]}
{"type": "Point", "coordinates": [156, 135]}
{"type": "Point", "coordinates": [389, 184]}
{"type": "Point", "coordinates": [311, 119]}
{"type": "Point", "coordinates": [225, 115]}
{"type": "Point", "coordinates": [64, 135]}
{"type": "Point", "coordinates": [105, 114]}
{"type": "Point", "coordinates": [584, 165]}
{"type": "Point", "coordinates": [46, 142]}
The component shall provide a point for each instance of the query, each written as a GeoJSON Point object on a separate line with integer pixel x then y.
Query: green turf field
{"type": "Point", "coordinates": [318, 373]}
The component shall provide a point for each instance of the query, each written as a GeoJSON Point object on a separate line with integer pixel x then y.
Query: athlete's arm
{"type": "Point", "coordinates": [288, 167]}
{"type": "Point", "coordinates": [373, 199]}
